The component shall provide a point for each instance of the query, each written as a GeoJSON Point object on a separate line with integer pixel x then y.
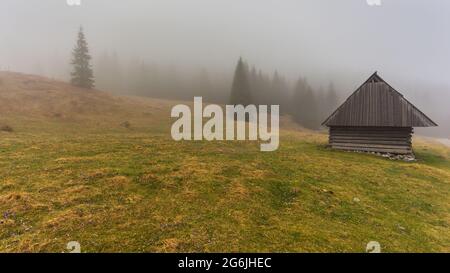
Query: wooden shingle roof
{"type": "Point", "coordinates": [376, 103]}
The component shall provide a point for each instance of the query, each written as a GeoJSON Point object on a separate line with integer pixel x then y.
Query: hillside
{"type": "Point", "coordinates": [87, 166]}
{"type": "Point", "coordinates": [38, 99]}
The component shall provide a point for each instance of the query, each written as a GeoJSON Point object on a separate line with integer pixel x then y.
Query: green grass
{"type": "Point", "coordinates": [115, 189]}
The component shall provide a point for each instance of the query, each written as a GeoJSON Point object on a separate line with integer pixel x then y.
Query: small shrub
{"type": "Point", "coordinates": [6, 128]}
{"type": "Point", "coordinates": [126, 124]}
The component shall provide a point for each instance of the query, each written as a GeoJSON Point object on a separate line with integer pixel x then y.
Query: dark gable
{"type": "Point", "coordinates": [376, 103]}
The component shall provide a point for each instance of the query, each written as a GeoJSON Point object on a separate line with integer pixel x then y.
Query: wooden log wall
{"type": "Point", "coordinates": [395, 140]}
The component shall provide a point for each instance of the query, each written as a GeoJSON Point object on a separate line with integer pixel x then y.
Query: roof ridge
{"type": "Point", "coordinates": [351, 95]}
{"type": "Point", "coordinates": [417, 117]}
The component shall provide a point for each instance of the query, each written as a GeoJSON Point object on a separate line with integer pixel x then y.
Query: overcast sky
{"type": "Point", "coordinates": [401, 38]}
{"type": "Point", "coordinates": [407, 41]}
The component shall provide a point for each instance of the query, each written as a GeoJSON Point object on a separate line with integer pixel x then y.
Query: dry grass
{"type": "Point", "coordinates": [82, 176]}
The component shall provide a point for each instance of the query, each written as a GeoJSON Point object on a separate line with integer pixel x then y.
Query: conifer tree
{"type": "Point", "coordinates": [108, 73]}
{"type": "Point", "coordinates": [305, 105]}
{"type": "Point", "coordinates": [82, 75]}
{"type": "Point", "coordinates": [332, 98]}
{"type": "Point", "coordinates": [202, 85]}
{"type": "Point", "coordinates": [240, 90]}
{"type": "Point", "coordinates": [279, 91]}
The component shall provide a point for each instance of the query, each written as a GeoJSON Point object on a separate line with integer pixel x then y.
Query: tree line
{"type": "Point", "coordinates": [307, 106]}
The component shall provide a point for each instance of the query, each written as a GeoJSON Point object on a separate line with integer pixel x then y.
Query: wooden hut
{"type": "Point", "coordinates": [375, 118]}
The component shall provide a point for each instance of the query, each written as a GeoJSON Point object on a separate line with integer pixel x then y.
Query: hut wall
{"type": "Point", "coordinates": [396, 140]}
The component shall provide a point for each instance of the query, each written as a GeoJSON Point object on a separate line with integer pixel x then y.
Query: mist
{"type": "Point", "coordinates": [324, 41]}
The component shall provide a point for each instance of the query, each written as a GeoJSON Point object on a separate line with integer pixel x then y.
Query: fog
{"type": "Point", "coordinates": [406, 41]}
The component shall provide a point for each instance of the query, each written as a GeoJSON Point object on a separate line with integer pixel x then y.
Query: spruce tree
{"type": "Point", "coordinates": [240, 91]}
{"type": "Point", "coordinates": [108, 73]}
{"type": "Point", "coordinates": [82, 75]}
{"type": "Point", "coordinates": [305, 105]}
{"type": "Point", "coordinates": [202, 85]}
{"type": "Point", "coordinates": [254, 86]}
{"type": "Point", "coordinates": [279, 91]}
{"type": "Point", "coordinates": [332, 98]}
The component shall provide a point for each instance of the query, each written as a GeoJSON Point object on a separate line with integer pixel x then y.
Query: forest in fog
{"type": "Point", "coordinates": [308, 56]}
{"type": "Point", "coordinates": [307, 105]}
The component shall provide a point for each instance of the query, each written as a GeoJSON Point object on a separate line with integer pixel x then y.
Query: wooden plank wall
{"type": "Point", "coordinates": [395, 140]}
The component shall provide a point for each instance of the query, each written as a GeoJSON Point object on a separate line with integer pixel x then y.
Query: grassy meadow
{"type": "Point", "coordinates": [102, 170]}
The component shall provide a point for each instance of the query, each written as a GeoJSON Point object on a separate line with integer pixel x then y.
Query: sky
{"type": "Point", "coordinates": [406, 41]}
